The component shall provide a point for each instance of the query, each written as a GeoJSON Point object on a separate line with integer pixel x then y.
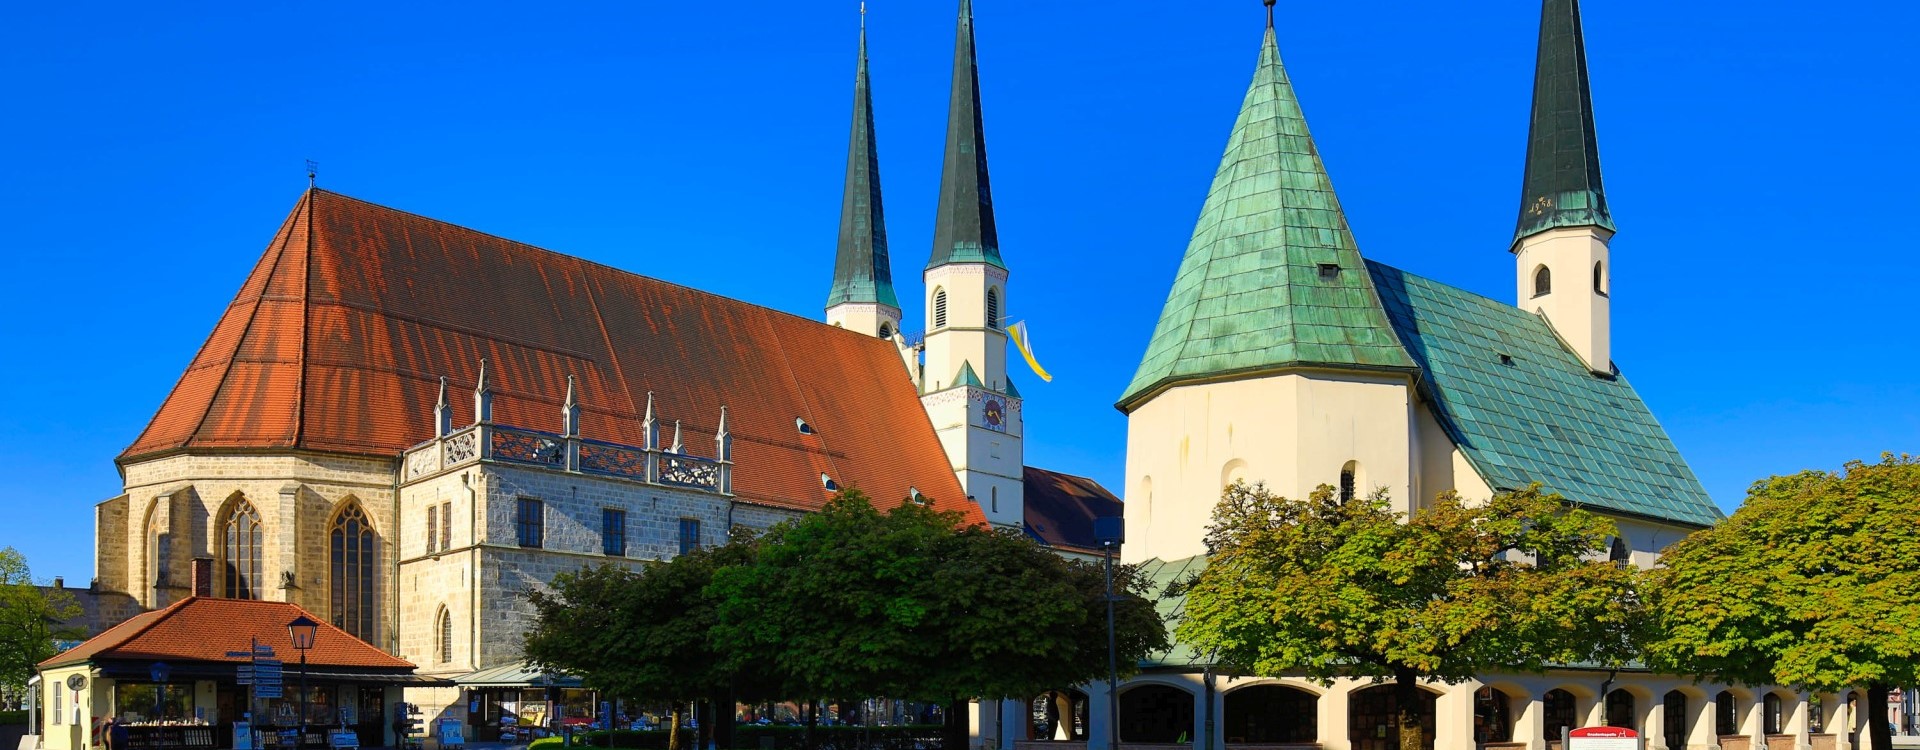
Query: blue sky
{"type": "Point", "coordinates": [1758, 162]}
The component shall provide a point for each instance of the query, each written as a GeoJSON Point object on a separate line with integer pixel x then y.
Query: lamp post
{"type": "Point", "coordinates": [301, 630]}
{"type": "Point", "coordinates": [159, 672]}
{"type": "Point", "coordinates": [1110, 532]}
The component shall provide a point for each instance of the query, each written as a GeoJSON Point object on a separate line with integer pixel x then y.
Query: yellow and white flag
{"type": "Point", "coordinates": [1020, 339]}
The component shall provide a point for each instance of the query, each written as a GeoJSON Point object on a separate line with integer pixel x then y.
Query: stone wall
{"type": "Point", "coordinates": [175, 506]}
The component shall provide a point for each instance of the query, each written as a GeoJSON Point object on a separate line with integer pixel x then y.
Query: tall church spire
{"type": "Point", "coordinates": [1272, 278]}
{"type": "Point", "coordinates": [1563, 156]}
{"type": "Point", "coordinates": [963, 229]}
{"type": "Point", "coordinates": [861, 272]}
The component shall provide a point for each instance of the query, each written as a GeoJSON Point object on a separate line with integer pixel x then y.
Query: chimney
{"type": "Point", "coordinates": [59, 583]}
{"type": "Point", "coordinates": [203, 576]}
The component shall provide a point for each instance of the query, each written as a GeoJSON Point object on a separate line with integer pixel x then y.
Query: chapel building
{"type": "Point", "coordinates": [1284, 356]}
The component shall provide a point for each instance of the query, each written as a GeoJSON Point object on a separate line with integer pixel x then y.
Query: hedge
{"type": "Point", "coordinates": [12, 717]}
{"type": "Point", "coordinates": [781, 737]}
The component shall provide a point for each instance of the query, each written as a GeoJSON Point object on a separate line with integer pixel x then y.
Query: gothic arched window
{"type": "Point", "coordinates": [1349, 481]}
{"type": "Point", "coordinates": [1542, 281]}
{"type": "Point", "coordinates": [886, 331]}
{"type": "Point", "coordinates": [355, 559]}
{"type": "Point", "coordinates": [939, 308]}
{"type": "Point", "coordinates": [241, 542]}
{"type": "Point", "coordinates": [993, 308]}
{"type": "Point", "coordinates": [1599, 277]}
{"type": "Point", "coordinates": [446, 636]}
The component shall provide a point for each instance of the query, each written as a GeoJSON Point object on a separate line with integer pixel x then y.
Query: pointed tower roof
{"type": "Point", "coordinates": [1272, 278]}
{"type": "Point", "coordinates": [963, 230]}
{"type": "Point", "coordinates": [1563, 155]}
{"type": "Point", "coordinates": [861, 272]}
{"type": "Point", "coordinates": [966, 376]}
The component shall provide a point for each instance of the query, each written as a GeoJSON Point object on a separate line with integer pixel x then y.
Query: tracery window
{"type": "Point", "coordinates": [355, 560]}
{"type": "Point", "coordinates": [242, 541]}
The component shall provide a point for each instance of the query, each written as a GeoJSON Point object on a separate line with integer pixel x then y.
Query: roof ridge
{"type": "Point", "coordinates": [596, 264]}
{"type": "Point", "coordinates": [239, 340]}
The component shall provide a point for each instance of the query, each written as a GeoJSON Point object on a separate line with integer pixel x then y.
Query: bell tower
{"type": "Point", "coordinates": [974, 408]}
{"type": "Point", "coordinates": [862, 297]}
{"type": "Point", "coordinates": [1562, 266]}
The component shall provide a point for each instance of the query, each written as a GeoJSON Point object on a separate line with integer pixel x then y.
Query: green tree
{"type": "Point", "coordinates": [912, 603]}
{"type": "Point", "coordinates": [1814, 582]}
{"type": "Point", "coordinates": [643, 634]}
{"type": "Point", "coordinates": [1332, 588]}
{"type": "Point", "coordinates": [30, 621]}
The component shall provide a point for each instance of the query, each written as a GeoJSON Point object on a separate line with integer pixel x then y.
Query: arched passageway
{"type": "Point", "coordinates": [1156, 714]}
{"type": "Point", "coordinates": [1271, 715]}
{"type": "Point", "coordinates": [1058, 716]}
{"type": "Point", "coordinates": [1373, 721]}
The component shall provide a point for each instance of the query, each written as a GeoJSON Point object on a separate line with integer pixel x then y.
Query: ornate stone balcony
{"type": "Point", "coordinates": [487, 443]}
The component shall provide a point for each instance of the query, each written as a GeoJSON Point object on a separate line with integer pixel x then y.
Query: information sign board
{"type": "Point", "coordinates": [343, 738]}
{"type": "Point", "coordinates": [242, 736]}
{"type": "Point", "coordinates": [1603, 738]}
{"type": "Point", "coordinates": [451, 732]}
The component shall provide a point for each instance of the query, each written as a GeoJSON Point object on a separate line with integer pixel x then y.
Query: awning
{"type": "Point", "coordinates": [223, 671]}
{"type": "Point", "coordinates": [516, 675]}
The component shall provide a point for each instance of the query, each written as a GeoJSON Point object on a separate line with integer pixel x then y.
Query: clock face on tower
{"type": "Point", "coordinates": [996, 414]}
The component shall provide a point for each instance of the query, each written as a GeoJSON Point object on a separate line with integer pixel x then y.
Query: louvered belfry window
{"type": "Point", "coordinates": [993, 308]}
{"type": "Point", "coordinates": [939, 308]}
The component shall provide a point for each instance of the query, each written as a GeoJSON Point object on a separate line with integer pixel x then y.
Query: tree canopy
{"type": "Point", "coordinates": [1814, 582]}
{"type": "Point", "coordinates": [1334, 588]}
{"type": "Point", "coordinates": [910, 603]}
{"type": "Point", "coordinates": [30, 622]}
{"type": "Point", "coordinates": [644, 634]}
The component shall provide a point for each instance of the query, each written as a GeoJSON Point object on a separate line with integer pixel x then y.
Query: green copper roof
{"type": "Point", "coordinates": [963, 230]}
{"type": "Point", "coordinates": [1272, 277]}
{"type": "Point", "coordinates": [1563, 155]}
{"type": "Point", "coordinates": [966, 376]}
{"type": "Point", "coordinates": [1524, 408]}
{"type": "Point", "coordinates": [860, 268]}
{"type": "Point", "coordinates": [1011, 391]}
{"type": "Point", "coordinates": [1160, 575]}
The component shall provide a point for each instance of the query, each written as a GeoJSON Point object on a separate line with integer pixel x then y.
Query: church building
{"type": "Point", "coordinates": [1284, 356]}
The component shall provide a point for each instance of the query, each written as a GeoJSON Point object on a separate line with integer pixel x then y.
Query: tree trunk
{"type": "Point", "coordinates": [1406, 698]}
{"type": "Point", "coordinates": [813, 721]}
{"type": "Point", "coordinates": [723, 722]}
{"type": "Point", "coordinates": [673, 730]}
{"type": "Point", "coordinates": [1880, 732]}
{"type": "Point", "coordinates": [956, 730]}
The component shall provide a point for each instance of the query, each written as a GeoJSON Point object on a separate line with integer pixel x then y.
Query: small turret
{"type": "Point", "coordinates": [483, 397]}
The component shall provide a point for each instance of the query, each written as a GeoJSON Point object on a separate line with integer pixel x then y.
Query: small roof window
{"type": "Point", "coordinates": [800, 424]}
{"type": "Point", "coordinates": [827, 482]}
{"type": "Point", "coordinates": [1329, 272]}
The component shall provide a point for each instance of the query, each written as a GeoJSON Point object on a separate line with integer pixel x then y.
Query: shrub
{"type": "Point", "coordinates": [12, 717]}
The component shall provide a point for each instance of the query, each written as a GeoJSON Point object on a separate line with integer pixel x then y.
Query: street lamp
{"type": "Point", "coordinates": [1110, 532]}
{"type": "Point", "coordinates": [159, 672]}
{"type": "Point", "coordinates": [301, 630]}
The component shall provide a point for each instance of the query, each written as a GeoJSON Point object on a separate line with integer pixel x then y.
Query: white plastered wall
{"type": "Point", "coordinates": [1578, 311]}
{"type": "Point", "coordinates": [1293, 430]}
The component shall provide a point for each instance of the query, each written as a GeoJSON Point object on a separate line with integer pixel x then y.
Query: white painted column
{"type": "Point", "coordinates": [1653, 724]}
{"type": "Point", "coordinates": [1756, 726]}
{"type": "Point", "coordinates": [1531, 726]}
{"type": "Point", "coordinates": [1797, 724]}
{"type": "Point", "coordinates": [1332, 716]}
{"type": "Point", "coordinates": [1842, 724]}
{"type": "Point", "coordinates": [1453, 717]}
{"type": "Point", "coordinates": [1100, 720]}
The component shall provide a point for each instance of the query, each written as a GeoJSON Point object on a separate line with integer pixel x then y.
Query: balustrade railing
{"type": "Point", "coordinates": [551, 451]}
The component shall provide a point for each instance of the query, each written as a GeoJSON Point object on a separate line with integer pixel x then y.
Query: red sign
{"type": "Point", "coordinates": [1607, 732]}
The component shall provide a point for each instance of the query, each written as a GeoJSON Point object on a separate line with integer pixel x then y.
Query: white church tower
{"type": "Point", "coordinates": [974, 408]}
{"type": "Point", "coordinates": [1561, 267]}
{"type": "Point", "coordinates": [1273, 360]}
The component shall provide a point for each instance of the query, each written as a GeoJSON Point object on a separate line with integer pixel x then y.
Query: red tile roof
{"type": "Point", "coordinates": [1060, 508]}
{"type": "Point", "coordinates": [204, 629]}
{"type": "Point", "coordinates": [337, 339]}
